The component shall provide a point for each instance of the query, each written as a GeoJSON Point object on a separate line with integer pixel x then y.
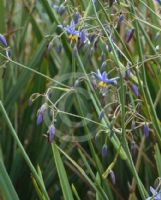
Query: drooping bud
{"type": "Point", "coordinates": [59, 9]}
{"type": "Point", "coordinates": [76, 17]}
{"type": "Point", "coordinates": [59, 48]}
{"type": "Point", "coordinates": [51, 133]}
{"type": "Point", "coordinates": [104, 150]}
{"type": "Point", "coordinates": [40, 114]}
{"type": "Point", "coordinates": [39, 118]}
{"type": "Point", "coordinates": [94, 82]}
{"type": "Point", "coordinates": [133, 148]}
{"type": "Point", "coordinates": [129, 35]}
{"type": "Point", "coordinates": [120, 19]}
{"type": "Point", "coordinates": [82, 36]}
{"type": "Point", "coordinates": [112, 177]}
{"type": "Point", "coordinates": [101, 115]}
{"type": "Point", "coordinates": [50, 45]}
{"type": "Point", "coordinates": [135, 90]}
{"type": "Point", "coordinates": [3, 40]}
{"type": "Point", "coordinates": [127, 73]}
{"type": "Point", "coordinates": [146, 130]}
{"type": "Point", "coordinates": [77, 83]}
{"type": "Point", "coordinates": [103, 66]}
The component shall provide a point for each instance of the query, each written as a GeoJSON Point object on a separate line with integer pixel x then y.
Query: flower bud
{"type": "Point", "coordinates": [129, 35]}
{"type": "Point", "coordinates": [112, 177]}
{"type": "Point", "coordinates": [76, 17]}
{"type": "Point", "coordinates": [146, 130]}
{"type": "Point", "coordinates": [135, 90]}
{"type": "Point", "coordinates": [40, 114]}
{"type": "Point", "coordinates": [133, 148]}
{"type": "Point", "coordinates": [39, 118]}
{"type": "Point", "coordinates": [104, 150]}
{"type": "Point", "coordinates": [82, 36]}
{"type": "Point", "coordinates": [104, 64]}
{"type": "Point", "coordinates": [3, 40]}
{"type": "Point", "coordinates": [120, 19]}
{"type": "Point", "coordinates": [51, 133]}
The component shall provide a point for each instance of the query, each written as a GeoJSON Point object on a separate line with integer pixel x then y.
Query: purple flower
{"type": "Point", "coordinates": [70, 29]}
{"type": "Point", "coordinates": [135, 90]}
{"type": "Point", "coordinates": [104, 150]}
{"type": "Point", "coordinates": [51, 133]}
{"type": "Point", "coordinates": [146, 130]}
{"type": "Point", "coordinates": [103, 78]}
{"type": "Point", "coordinates": [156, 195]}
{"type": "Point", "coordinates": [73, 33]}
{"type": "Point", "coordinates": [3, 40]}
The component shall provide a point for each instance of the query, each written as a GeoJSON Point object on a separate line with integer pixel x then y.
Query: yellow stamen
{"type": "Point", "coordinates": [73, 37]}
{"type": "Point", "coordinates": [101, 84]}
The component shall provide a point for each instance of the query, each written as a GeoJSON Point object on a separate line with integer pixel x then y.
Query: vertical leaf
{"type": "Point", "coordinates": [67, 193]}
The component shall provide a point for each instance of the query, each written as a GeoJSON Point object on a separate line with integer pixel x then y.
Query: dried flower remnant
{"type": "Point", "coordinates": [51, 133]}
{"type": "Point", "coordinates": [133, 125]}
{"type": "Point", "coordinates": [3, 40]}
{"type": "Point", "coordinates": [146, 130]}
